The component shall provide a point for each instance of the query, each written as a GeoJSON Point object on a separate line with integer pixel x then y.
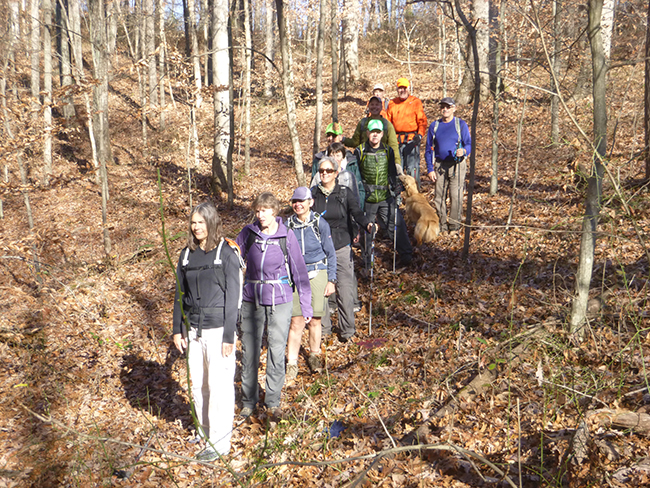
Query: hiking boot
{"type": "Point", "coordinates": [246, 412]}
{"type": "Point", "coordinates": [315, 364]}
{"type": "Point", "coordinates": [345, 339]}
{"type": "Point", "coordinates": [208, 455]}
{"type": "Point", "coordinates": [292, 372]}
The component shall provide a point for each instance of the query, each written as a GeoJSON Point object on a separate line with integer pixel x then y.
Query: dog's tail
{"type": "Point", "coordinates": [426, 231]}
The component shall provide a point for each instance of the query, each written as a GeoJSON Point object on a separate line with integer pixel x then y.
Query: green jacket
{"type": "Point", "coordinates": [378, 171]}
{"type": "Point", "coordinates": [361, 136]}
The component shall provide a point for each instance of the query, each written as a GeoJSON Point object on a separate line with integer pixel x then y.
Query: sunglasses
{"type": "Point", "coordinates": [293, 202]}
{"type": "Point", "coordinates": [329, 171]}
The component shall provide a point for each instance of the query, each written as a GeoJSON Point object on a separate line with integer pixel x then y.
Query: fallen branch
{"type": "Point", "coordinates": [374, 456]}
{"type": "Point", "coordinates": [637, 422]}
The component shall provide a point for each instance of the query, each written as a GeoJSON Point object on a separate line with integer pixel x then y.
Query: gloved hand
{"type": "Point", "coordinates": [415, 142]}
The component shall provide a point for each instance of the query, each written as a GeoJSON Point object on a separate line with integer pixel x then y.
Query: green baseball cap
{"type": "Point", "coordinates": [375, 125]}
{"type": "Point", "coordinates": [334, 128]}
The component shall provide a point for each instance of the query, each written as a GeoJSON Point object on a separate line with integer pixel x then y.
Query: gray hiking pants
{"type": "Point", "coordinates": [411, 161]}
{"type": "Point", "coordinates": [277, 319]}
{"type": "Point", "coordinates": [451, 179]}
{"type": "Point", "coordinates": [345, 292]}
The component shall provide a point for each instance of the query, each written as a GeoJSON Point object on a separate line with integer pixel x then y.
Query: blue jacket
{"type": "Point", "coordinates": [318, 251]}
{"type": "Point", "coordinates": [446, 141]}
{"type": "Point", "coordinates": [267, 281]}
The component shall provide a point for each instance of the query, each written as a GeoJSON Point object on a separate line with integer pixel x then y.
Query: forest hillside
{"type": "Point", "coordinates": [471, 375]}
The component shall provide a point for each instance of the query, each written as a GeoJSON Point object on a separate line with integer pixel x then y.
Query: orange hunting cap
{"type": "Point", "coordinates": [403, 82]}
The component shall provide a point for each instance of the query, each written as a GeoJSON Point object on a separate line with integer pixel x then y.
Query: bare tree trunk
{"type": "Point", "coordinates": [465, 92]}
{"type": "Point", "coordinates": [646, 113]}
{"type": "Point", "coordinates": [334, 36]}
{"type": "Point", "coordinates": [471, 33]}
{"type": "Point", "coordinates": [383, 13]}
{"type": "Point", "coordinates": [287, 86]}
{"type": "Point", "coordinates": [594, 189]}
{"type": "Point", "coordinates": [204, 28]}
{"type": "Point", "coordinates": [268, 36]}
{"type": "Point", "coordinates": [150, 49]}
{"type": "Point", "coordinates": [247, 89]}
{"type": "Point", "coordinates": [320, 54]}
{"type": "Point", "coordinates": [74, 28]}
{"type": "Point", "coordinates": [442, 49]}
{"type": "Point", "coordinates": [607, 26]}
{"type": "Point", "coordinates": [111, 29]}
{"type": "Point", "coordinates": [482, 18]}
{"type": "Point", "coordinates": [63, 48]}
{"type": "Point", "coordinates": [222, 103]}
{"type": "Point", "coordinates": [196, 62]}
{"type": "Point", "coordinates": [34, 55]}
{"type": "Point", "coordinates": [494, 180]}
{"type": "Point", "coordinates": [187, 27]}
{"type": "Point", "coordinates": [47, 82]}
{"type": "Point", "coordinates": [100, 103]}
{"type": "Point", "coordinates": [308, 45]}
{"type": "Point", "coordinates": [161, 59]}
{"type": "Point", "coordinates": [555, 65]}
{"type": "Point", "coordinates": [352, 14]}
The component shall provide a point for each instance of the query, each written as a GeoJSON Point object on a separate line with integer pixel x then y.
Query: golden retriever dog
{"type": "Point", "coordinates": [418, 210]}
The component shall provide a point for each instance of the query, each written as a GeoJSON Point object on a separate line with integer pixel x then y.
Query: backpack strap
{"type": "Point", "coordinates": [282, 242]}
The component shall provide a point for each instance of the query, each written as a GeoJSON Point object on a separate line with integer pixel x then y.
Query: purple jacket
{"type": "Point", "coordinates": [266, 281]}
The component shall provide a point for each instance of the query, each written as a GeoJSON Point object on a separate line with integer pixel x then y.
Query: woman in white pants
{"type": "Point", "coordinates": [207, 300]}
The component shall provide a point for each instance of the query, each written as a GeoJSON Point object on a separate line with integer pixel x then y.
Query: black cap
{"type": "Point", "coordinates": [447, 101]}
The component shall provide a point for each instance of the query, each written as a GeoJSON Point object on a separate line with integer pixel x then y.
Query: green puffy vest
{"type": "Point", "coordinates": [374, 171]}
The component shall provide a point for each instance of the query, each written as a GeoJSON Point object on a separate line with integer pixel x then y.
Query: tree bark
{"type": "Point", "coordinates": [100, 103]}
{"type": "Point", "coordinates": [247, 88]}
{"type": "Point", "coordinates": [150, 49]}
{"type": "Point", "coordinates": [63, 50]}
{"type": "Point", "coordinates": [111, 29]}
{"type": "Point", "coordinates": [594, 189]}
{"type": "Point", "coordinates": [222, 105]}
{"type": "Point", "coordinates": [47, 88]}
{"type": "Point", "coordinates": [471, 33]}
{"type": "Point", "coordinates": [75, 38]}
{"type": "Point", "coordinates": [352, 13]}
{"type": "Point", "coordinates": [188, 28]}
{"type": "Point", "coordinates": [555, 65]}
{"type": "Point", "coordinates": [442, 49]}
{"type": "Point", "coordinates": [320, 54]}
{"type": "Point", "coordinates": [646, 113]}
{"type": "Point", "coordinates": [34, 55]}
{"type": "Point", "coordinates": [465, 93]}
{"type": "Point", "coordinates": [194, 43]}
{"type": "Point", "coordinates": [287, 86]}
{"type": "Point", "coordinates": [482, 19]}
{"type": "Point", "coordinates": [268, 36]}
{"type": "Point", "coordinates": [494, 180]}
{"type": "Point", "coordinates": [383, 13]}
{"type": "Point", "coordinates": [607, 26]}
{"type": "Point", "coordinates": [161, 59]}
{"type": "Point", "coordinates": [334, 37]}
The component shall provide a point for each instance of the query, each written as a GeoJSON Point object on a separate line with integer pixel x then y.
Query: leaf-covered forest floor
{"type": "Point", "coordinates": [89, 376]}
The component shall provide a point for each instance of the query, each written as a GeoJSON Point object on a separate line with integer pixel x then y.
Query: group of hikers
{"type": "Point", "coordinates": [294, 266]}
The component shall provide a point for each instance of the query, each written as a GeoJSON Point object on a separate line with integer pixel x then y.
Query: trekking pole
{"type": "Point", "coordinates": [372, 276]}
{"type": "Point", "coordinates": [395, 236]}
